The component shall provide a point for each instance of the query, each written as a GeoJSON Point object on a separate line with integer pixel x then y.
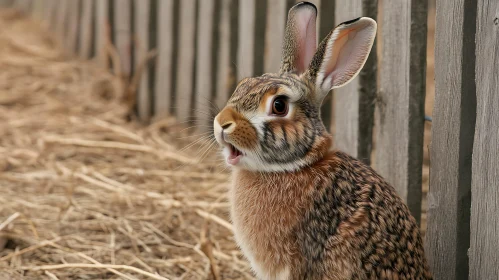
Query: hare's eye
{"type": "Point", "coordinates": [280, 106]}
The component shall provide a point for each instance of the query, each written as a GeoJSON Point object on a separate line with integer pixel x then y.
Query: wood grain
{"type": "Point", "coordinates": [274, 34]}
{"type": "Point", "coordinates": [325, 24]}
{"type": "Point", "coordinates": [203, 90]}
{"type": "Point", "coordinates": [86, 33]}
{"type": "Point", "coordinates": [141, 22]}
{"type": "Point", "coordinates": [484, 256]}
{"type": "Point", "coordinates": [163, 81]}
{"type": "Point", "coordinates": [448, 233]}
{"type": "Point", "coordinates": [185, 62]}
{"type": "Point", "coordinates": [400, 102]}
{"type": "Point", "coordinates": [123, 34]}
{"type": "Point", "coordinates": [354, 103]}
{"type": "Point", "coordinates": [246, 47]}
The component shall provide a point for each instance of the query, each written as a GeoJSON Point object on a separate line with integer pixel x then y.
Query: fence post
{"type": "Point", "coordinates": [122, 10]}
{"type": "Point", "coordinates": [245, 51]}
{"type": "Point", "coordinates": [448, 233]}
{"type": "Point", "coordinates": [141, 21]}
{"type": "Point", "coordinates": [400, 101]}
{"type": "Point", "coordinates": [101, 28]}
{"type": "Point", "coordinates": [73, 14]}
{"type": "Point", "coordinates": [225, 70]}
{"type": "Point", "coordinates": [86, 32]}
{"type": "Point", "coordinates": [354, 103]}
{"type": "Point", "coordinates": [163, 79]}
{"type": "Point", "coordinates": [274, 35]}
{"type": "Point", "coordinates": [204, 62]}
{"type": "Point", "coordinates": [185, 62]}
{"type": "Point", "coordinates": [484, 259]}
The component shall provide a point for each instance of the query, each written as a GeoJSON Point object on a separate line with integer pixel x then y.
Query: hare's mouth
{"type": "Point", "coordinates": [234, 155]}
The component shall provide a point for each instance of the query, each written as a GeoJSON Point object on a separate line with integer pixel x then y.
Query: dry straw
{"type": "Point", "coordinates": [87, 194]}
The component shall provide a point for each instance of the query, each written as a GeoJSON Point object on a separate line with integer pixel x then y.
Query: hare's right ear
{"type": "Point", "coordinates": [300, 39]}
{"type": "Point", "coordinates": [341, 55]}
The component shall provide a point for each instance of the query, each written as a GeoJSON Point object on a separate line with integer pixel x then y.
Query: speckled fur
{"type": "Point", "coordinates": [301, 210]}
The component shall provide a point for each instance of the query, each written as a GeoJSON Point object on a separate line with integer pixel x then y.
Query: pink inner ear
{"type": "Point", "coordinates": [307, 41]}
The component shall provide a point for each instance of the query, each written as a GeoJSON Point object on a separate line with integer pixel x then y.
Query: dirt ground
{"type": "Point", "coordinates": [87, 193]}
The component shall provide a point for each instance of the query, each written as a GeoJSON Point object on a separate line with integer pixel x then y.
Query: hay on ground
{"type": "Point", "coordinates": [86, 193]}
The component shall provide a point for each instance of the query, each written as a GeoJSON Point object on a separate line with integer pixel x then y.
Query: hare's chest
{"type": "Point", "coordinates": [264, 228]}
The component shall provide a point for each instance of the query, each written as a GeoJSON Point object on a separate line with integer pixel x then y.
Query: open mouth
{"type": "Point", "coordinates": [234, 155]}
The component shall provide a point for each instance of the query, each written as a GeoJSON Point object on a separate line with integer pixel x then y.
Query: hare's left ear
{"type": "Point", "coordinates": [300, 38]}
{"type": "Point", "coordinates": [342, 54]}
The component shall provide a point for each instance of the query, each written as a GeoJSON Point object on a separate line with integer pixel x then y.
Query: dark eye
{"type": "Point", "coordinates": [280, 106]}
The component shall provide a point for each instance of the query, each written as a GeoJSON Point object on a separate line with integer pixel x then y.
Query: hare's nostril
{"type": "Point", "coordinates": [227, 125]}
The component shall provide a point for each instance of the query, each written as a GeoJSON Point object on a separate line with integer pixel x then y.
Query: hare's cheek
{"type": "Point", "coordinates": [245, 136]}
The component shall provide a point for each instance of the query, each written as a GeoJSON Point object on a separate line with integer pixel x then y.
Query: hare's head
{"type": "Point", "coordinates": [272, 122]}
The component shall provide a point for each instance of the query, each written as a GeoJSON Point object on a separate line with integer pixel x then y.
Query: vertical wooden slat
{"type": "Point", "coordinates": [123, 34]}
{"type": "Point", "coordinates": [23, 5]}
{"type": "Point", "coordinates": [326, 23]}
{"type": "Point", "coordinates": [37, 9]}
{"type": "Point", "coordinates": [204, 64]}
{"type": "Point", "coordinates": [448, 233]}
{"type": "Point", "coordinates": [354, 103]}
{"type": "Point", "coordinates": [163, 85]}
{"type": "Point", "coordinates": [245, 52]}
{"type": "Point", "coordinates": [60, 20]}
{"type": "Point", "coordinates": [224, 72]}
{"type": "Point", "coordinates": [49, 12]}
{"type": "Point", "coordinates": [72, 28]}
{"type": "Point", "coordinates": [400, 110]}
{"type": "Point", "coordinates": [101, 32]}
{"type": "Point", "coordinates": [86, 32]}
{"type": "Point", "coordinates": [274, 35]}
{"type": "Point", "coordinates": [484, 256]}
{"type": "Point", "coordinates": [185, 62]}
{"type": "Point", "coordinates": [141, 21]}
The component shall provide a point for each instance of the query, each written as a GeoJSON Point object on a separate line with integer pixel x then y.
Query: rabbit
{"type": "Point", "coordinates": [300, 209]}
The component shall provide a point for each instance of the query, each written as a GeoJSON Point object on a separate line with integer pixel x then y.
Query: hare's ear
{"type": "Point", "coordinates": [300, 39]}
{"type": "Point", "coordinates": [342, 54]}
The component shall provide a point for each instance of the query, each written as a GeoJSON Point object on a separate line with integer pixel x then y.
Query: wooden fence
{"type": "Point", "coordinates": [205, 46]}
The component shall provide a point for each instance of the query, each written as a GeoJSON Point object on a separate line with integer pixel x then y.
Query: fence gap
{"type": "Point", "coordinates": [484, 260]}
{"type": "Point", "coordinates": [354, 103]}
{"type": "Point", "coordinates": [448, 232]}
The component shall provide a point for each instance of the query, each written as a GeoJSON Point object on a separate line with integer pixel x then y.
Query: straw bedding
{"type": "Point", "coordinates": [87, 194]}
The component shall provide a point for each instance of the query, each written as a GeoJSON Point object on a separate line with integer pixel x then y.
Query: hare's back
{"type": "Point", "coordinates": [359, 227]}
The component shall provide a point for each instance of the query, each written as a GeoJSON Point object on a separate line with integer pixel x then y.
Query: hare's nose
{"type": "Point", "coordinates": [228, 126]}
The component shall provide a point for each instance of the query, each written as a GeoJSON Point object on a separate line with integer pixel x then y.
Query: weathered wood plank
{"type": "Point", "coordinates": [23, 5]}
{"type": "Point", "coordinates": [204, 64]}
{"type": "Point", "coordinates": [326, 23]}
{"type": "Point", "coordinates": [484, 247]}
{"type": "Point", "coordinates": [354, 103]}
{"type": "Point", "coordinates": [274, 34]}
{"type": "Point", "coordinates": [224, 69]}
{"type": "Point", "coordinates": [86, 33]}
{"type": "Point", "coordinates": [141, 21]}
{"type": "Point", "coordinates": [246, 42]}
{"type": "Point", "coordinates": [101, 31]}
{"type": "Point", "coordinates": [123, 34]}
{"type": "Point", "coordinates": [448, 233]}
{"type": "Point", "coordinates": [163, 82]}
{"type": "Point", "coordinates": [37, 9]}
{"type": "Point", "coordinates": [73, 16]}
{"type": "Point", "coordinates": [400, 110]}
{"type": "Point", "coordinates": [185, 63]}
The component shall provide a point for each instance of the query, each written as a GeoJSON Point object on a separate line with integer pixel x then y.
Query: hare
{"type": "Point", "coordinates": [301, 210]}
